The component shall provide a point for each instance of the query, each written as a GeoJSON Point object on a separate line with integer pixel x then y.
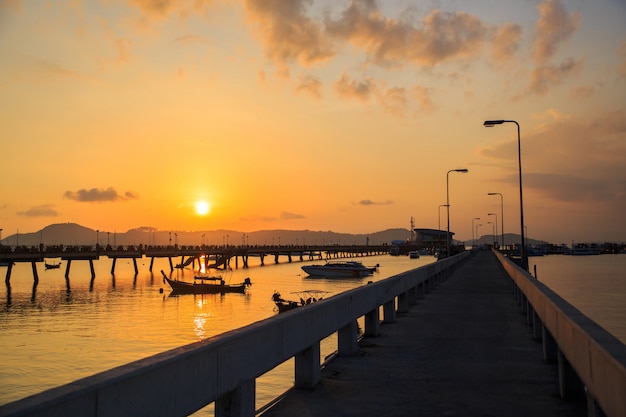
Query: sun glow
{"type": "Point", "coordinates": [202, 208]}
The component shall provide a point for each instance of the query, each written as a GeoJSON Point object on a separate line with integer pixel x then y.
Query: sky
{"type": "Point", "coordinates": [322, 115]}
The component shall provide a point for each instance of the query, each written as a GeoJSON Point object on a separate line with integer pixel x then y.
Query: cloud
{"type": "Point", "coordinates": [422, 95]}
{"type": "Point", "coordinates": [394, 100]}
{"type": "Point", "coordinates": [543, 77]}
{"type": "Point", "coordinates": [285, 215]}
{"type": "Point", "coordinates": [572, 188]}
{"type": "Point", "coordinates": [553, 27]}
{"type": "Point", "coordinates": [95, 195]}
{"type": "Point", "coordinates": [505, 42]}
{"type": "Point", "coordinates": [374, 203]}
{"type": "Point", "coordinates": [45, 210]}
{"type": "Point", "coordinates": [164, 8]}
{"type": "Point", "coordinates": [349, 88]}
{"type": "Point", "coordinates": [388, 42]}
{"type": "Point", "coordinates": [310, 85]}
{"type": "Point", "coordinates": [287, 33]}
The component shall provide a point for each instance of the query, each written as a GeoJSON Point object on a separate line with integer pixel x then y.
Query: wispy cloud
{"type": "Point", "coordinates": [374, 203]}
{"type": "Point", "coordinates": [310, 85]}
{"type": "Point", "coordinates": [346, 87]}
{"type": "Point", "coordinates": [44, 210]}
{"type": "Point", "coordinates": [98, 195]}
{"type": "Point", "coordinates": [554, 26]}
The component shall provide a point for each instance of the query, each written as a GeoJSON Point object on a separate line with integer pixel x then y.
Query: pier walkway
{"type": "Point", "coordinates": [463, 350]}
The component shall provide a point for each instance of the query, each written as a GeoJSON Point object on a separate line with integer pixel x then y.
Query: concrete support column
{"type": "Point", "coordinates": [570, 385]}
{"type": "Point", "coordinates": [372, 324]}
{"type": "Point", "coordinates": [307, 367]}
{"type": "Point", "coordinates": [346, 339]}
{"type": "Point", "coordinates": [389, 311]}
{"type": "Point", "coordinates": [237, 403]}
{"type": "Point", "coordinates": [413, 295]}
{"type": "Point", "coordinates": [403, 302]}
{"type": "Point", "coordinates": [549, 345]}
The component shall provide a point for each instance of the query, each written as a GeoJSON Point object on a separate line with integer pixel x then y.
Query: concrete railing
{"type": "Point", "coordinates": [223, 369]}
{"type": "Point", "coordinates": [590, 360]}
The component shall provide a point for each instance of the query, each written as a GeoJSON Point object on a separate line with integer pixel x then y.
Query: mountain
{"type": "Point", "coordinates": [508, 239]}
{"type": "Point", "coordinates": [76, 235]}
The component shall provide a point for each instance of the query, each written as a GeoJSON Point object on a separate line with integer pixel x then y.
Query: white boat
{"type": "Point", "coordinates": [340, 269]}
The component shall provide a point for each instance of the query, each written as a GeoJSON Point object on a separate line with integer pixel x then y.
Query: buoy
{"type": "Point", "coordinates": [161, 290]}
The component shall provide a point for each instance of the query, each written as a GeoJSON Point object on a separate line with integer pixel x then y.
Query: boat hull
{"type": "Point", "coordinates": [337, 271]}
{"type": "Point", "coordinates": [180, 287]}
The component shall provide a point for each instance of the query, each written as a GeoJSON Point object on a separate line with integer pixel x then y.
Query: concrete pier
{"type": "Point", "coordinates": [464, 350]}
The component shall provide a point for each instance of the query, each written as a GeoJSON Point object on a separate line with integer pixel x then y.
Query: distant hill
{"type": "Point", "coordinates": [75, 234]}
{"type": "Point", "coordinates": [508, 239]}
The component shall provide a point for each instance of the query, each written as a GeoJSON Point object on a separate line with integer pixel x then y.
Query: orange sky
{"type": "Point", "coordinates": [318, 115]}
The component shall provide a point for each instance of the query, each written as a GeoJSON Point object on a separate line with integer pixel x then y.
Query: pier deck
{"type": "Point", "coordinates": [463, 350]}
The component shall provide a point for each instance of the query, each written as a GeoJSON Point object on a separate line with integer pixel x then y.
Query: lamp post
{"type": "Point", "coordinates": [463, 170]}
{"type": "Point", "coordinates": [523, 255]}
{"type": "Point", "coordinates": [496, 232]}
{"type": "Point", "coordinates": [438, 213]}
{"type": "Point", "coordinates": [474, 236]}
{"type": "Point", "coordinates": [493, 233]}
{"type": "Point", "coordinates": [477, 229]}
{"type": "Point", "coordinates": [501, 217]}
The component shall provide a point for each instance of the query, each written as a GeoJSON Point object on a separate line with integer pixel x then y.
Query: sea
{"type": "Point", "coordinates": [64, 329]}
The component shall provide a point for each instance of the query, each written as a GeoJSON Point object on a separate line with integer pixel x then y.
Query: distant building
{"type": "Point", "coordinates": [431, 238]}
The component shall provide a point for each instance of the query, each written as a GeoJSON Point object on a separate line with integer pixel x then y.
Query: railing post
{"type": "Point", "coordinates": [307, 367]}
{"type": "Point", "coordinates": [237, 403]}
{"type": "Point", "coordinates": [347, 339]}
{"type": "Point", "coordinates": [548, 345]}
{"type": "Point", "coordinates": [570, 385]}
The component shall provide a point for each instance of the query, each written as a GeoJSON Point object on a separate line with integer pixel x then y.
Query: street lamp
{"type": "Point", "coordinates": [501, 217]}
{"type": "Point", "coordinates": [496, 232]}
{"type": "Point", "coordinates": [473, 236]}
{"type": "Point", "coordinates": [438, 213]}
{"type": "Point", "coordinates": [477, 229]}
{"type": "Point", "coordinates": [463, 170]}
{"type": "Point", "coordinates": [493, 233]}
{"type": "Point", "coordinates": [491, 123]}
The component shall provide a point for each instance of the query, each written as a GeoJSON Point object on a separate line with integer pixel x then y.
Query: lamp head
{"type": "Point", "coordinates": [491, 214]}
{"type": "Point", "coordinates": [464, 170]}
{"type": "Point", "coordinates": [492, 123]}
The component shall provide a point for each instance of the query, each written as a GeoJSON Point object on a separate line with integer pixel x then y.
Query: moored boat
{"type": "Point", "coordinates": [414, 254]}
{"type": "Point", "coordinates": [206, 285]}
{"type": "Point", "coordinates": [351, 269]}
{"type": "Point", "coordinates": [306, 297]}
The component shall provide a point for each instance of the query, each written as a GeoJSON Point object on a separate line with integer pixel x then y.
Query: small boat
{"type": "Point", "coordinates": [52, 266]}
{"type": "Point", "coordinates": [306, 297]}
{"type": "Point", "coordinates": [206, 285]}
{"type": "Point", "coordinates": [351, 269]}
{"type": "Point", "coordinates": [414, 254]}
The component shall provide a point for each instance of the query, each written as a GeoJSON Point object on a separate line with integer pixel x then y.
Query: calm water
{"type": "Point", "coordinates": [55, 334]}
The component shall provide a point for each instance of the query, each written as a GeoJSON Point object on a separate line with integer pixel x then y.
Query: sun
{"type": "Point", "coordinates": [202, 208]}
